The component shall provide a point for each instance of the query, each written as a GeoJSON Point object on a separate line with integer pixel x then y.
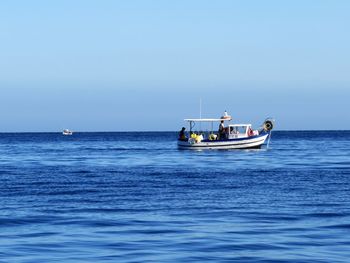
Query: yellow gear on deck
{"type": "Point", "coordinates": [212, 137]}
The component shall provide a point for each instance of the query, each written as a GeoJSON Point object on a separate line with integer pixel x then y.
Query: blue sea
{"type": "Point", "coordinates": [135, 197]}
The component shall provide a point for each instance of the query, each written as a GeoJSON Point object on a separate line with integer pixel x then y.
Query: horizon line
{"type": "Point", "coordinates": [8, 132]}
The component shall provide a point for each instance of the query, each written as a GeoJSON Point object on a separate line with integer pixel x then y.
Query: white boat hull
{"type": "Point", "coordinates": [242, 143]}
{"type": "Point", "coordinates": [67, 133]}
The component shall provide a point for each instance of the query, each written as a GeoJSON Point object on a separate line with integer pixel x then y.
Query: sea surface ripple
{"type": "Point", "coordinates": [135, 197]}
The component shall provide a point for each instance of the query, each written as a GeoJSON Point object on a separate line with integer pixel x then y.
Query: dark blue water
{"type": "Point", "coordinates": [134, 197]}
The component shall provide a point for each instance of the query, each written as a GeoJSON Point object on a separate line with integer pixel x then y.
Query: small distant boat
{"type": "Point", "coordinates": [67, 132]}
{"type": "Point", "coordinates": [233, 136]}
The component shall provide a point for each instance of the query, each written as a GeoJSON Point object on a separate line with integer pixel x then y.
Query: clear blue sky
{"type": "Point", "coordinates": [143, 65]}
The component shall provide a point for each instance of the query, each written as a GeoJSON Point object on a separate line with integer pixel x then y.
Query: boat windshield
{"type": "Point", "coordinates": [238, 129]}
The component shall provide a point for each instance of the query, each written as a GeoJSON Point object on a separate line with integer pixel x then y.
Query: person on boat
{"type": "Point", "coordinates": [222, 133]}
{"type": "Point", "coordinates": [182, 135]}
{"type": "Point", "coordinates": [231, 130]}
{"type": "Point", "coordinates": [250, 132]}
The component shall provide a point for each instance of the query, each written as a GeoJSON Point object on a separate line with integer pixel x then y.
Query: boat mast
{"type": "Point", "coordinates": [200, 113]}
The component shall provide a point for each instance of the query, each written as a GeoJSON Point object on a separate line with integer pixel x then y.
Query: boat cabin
{"type": "Point", "coordinates": [238, 131]}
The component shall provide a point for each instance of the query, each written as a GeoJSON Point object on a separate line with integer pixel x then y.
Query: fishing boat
{"type": "Point", "coordinates": [67, 132]}
{"type": "Point", "coordinates": [231, 136]}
